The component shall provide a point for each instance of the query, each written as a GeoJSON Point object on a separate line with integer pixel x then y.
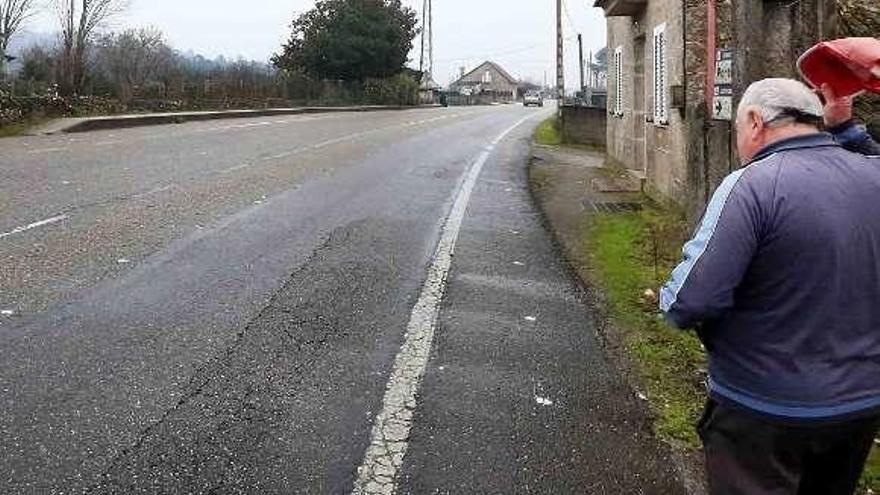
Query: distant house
{"type": "Point", "coordinates": [490, 81]}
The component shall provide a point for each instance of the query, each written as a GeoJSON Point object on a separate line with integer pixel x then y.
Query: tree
{"type": "Point", "coordinates": [128, 59]}
{"type": "Point", "coordinates": [36, 64]}
{"type": "Point", "coordinates": [350, 40]}
{"type": "Point", "coordinates": [13, 13]}
{"type": "Point", "coordinates": [79, 20]}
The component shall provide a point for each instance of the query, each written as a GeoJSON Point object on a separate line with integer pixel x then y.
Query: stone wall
{"type": "Point", "coordinates": [584, 125]}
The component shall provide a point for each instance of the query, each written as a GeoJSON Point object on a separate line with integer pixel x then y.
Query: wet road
{"type": "Point", "coordinates": [341, 303]}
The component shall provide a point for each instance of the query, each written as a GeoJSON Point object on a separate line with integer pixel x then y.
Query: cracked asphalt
{"type": "Point", "coordinates": [217, 308]}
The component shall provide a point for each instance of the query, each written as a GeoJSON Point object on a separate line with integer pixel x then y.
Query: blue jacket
{"type": "Point", "coordinates": [855, 138]}
{"type": "Point", "coordinates": [782, 282]}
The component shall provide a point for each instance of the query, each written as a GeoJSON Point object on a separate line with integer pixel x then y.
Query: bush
{"type": "Point", "coordinates": [398, 90]}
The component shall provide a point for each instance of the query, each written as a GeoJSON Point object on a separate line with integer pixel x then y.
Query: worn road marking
{"type": "Point", "coordinates": [151, 192]}
{"type": "Point", "coordinates": [391, 428]}
{"type": "Point", "coordinates": [34, 225]}
{"type": "Point", "coordinates": [44, 150]}
{"type": "Point", "coordinates": [235, 168]}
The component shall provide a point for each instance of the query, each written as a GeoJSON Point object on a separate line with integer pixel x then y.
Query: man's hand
{"type": "Point", "coordinates": [838, 110]}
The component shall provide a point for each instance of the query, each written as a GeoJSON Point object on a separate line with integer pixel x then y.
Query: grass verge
{"type": "Point", "coordinates": [548, 132]}
{"type": "Point", "coordinates": [20, 128]}
{"type": "Point", "coordinates": [871, 478]}
{"type": "Point", "coordinates": [630, 253]}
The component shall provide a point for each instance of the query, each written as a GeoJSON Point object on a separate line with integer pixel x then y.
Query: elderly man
{"type": "Point", "coordinates": [782, 283]}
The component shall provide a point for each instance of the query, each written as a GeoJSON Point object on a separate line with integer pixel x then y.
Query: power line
{"type": "Point", "coordinates": [507, 52]}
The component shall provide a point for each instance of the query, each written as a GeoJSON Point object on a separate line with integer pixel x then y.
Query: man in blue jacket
{"type": "Point", "coordinates": [782, 283]}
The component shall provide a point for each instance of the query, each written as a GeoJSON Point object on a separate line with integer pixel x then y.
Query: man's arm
{"type": "Point", "coordinates": [716, 259]}
{"type": "Point", "coordinates": [839, 122]}
{"type": "Point", "coordinates": [855, 138]}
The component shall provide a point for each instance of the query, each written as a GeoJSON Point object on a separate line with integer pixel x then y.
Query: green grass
{"type": "Point", "coordinates": [548, 133]}
{"type": "Point", "coordinates": [621, 250]}
{"type": "Point", "coordinates": [871, 478]}
{"type": "Point", "coordinates": [19, 128]}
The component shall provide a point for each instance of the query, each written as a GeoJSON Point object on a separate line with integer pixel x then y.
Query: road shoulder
{"type": "Point", "coordinates": [518, 396]}
{"type": "Point", "coordinates": [595, 215]}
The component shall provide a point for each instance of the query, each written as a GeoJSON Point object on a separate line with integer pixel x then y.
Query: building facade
{"type": "Point", "coordinates": [490, 81]}
{"type": "Point", "coordinates": [667, 61]}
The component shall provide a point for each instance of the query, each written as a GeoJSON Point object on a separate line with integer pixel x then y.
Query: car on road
{"type": "Point", "coordinates": [533, 98]}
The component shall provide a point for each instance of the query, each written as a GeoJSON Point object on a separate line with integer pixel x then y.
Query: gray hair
{"type": "Point", "coordinates": [776, 97]}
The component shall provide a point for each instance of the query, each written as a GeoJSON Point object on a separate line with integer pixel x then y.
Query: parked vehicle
{"type": "Point", "coordinates": [533, 98]}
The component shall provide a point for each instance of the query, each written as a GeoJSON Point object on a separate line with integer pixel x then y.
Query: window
{"type": "Point", "coordinates": [487, 77]}
{"type": "Point", "coordinates": [618, 81]}
{"type": "Point", "coordinates": [661, 100]}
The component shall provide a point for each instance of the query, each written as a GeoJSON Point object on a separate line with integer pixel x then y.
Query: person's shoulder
{"type": "Point", "coordinates": [761, 172]}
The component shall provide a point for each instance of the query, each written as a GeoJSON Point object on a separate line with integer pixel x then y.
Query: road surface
{"type": "Point", "coordinates": [341, 303]}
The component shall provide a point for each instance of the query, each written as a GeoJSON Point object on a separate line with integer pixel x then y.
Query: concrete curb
{"type": "Point", "coordinates": [76, 125]}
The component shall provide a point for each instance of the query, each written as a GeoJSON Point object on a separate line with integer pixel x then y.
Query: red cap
{"type": "Point", "coordinates": [848, 65]}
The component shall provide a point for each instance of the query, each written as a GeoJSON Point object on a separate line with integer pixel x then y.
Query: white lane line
{"type": "Point", "coordinates": [44, 150]}
{"type": "Point", "coordinates": [391, 429]}
{"type": "Point", "coordinates": [153, 191]}
{"type": "Point", "coordinates": [107, 143]}
{"type": "Point", "coordinates": [34, 225]}
{"type": "Point", "coordinates": [236, 168]}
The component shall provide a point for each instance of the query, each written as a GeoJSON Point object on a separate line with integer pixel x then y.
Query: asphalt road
{"type": "Point", "coordinates": [230, 307]}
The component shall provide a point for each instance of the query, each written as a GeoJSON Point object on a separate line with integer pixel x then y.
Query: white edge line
{"type": "Point", "coordinates": [391, 428]}
{"type": "Point", "coordinates": [34, 225]}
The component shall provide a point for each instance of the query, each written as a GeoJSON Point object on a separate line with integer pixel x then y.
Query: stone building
{"type": "Point", "coordinates": [667, 61]}
{"type": "Point", "coordinates": [490, 81]}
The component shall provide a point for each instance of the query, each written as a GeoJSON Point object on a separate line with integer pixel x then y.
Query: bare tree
{"type": "Point", "coordinates": [79, 21]}
{"type": "Point", "coordinates": [13, 13]}
{"type": "Point", "coordinates": [130, 58]}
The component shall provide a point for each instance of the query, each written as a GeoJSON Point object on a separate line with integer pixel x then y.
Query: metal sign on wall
{"type": "Point", "coordinates": [722, 107]}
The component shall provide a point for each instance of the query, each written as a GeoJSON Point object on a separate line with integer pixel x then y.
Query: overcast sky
{"type": "Point", "coordinates": [518, 34]}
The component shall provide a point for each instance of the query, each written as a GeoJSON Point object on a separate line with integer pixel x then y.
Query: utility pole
{"type": "Point", "coordinates": [427, 38]}
{"type": "Point", "coordinates": [424, 28]}
{"type": "Point", "coordinates": [560, 67]}
{"type": "Point", "coordinates": [591, 81]}
{"type": "Point", "coordinates": [430, 38]}
{"type": "Point", "coordinates": [581, 62]}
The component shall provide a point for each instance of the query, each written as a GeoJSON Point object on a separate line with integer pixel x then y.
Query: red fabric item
{"type": "Point", "coordinates": [849, 65]}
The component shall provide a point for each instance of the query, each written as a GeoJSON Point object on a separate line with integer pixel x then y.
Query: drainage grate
{"type": "Point", "coordinates": [606, 207]}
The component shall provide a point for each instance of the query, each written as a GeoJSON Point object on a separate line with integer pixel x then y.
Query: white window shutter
{"type": "Point", "coordinates": [661, 102]}
{"type": "Point", "coordinates": [618, 81]}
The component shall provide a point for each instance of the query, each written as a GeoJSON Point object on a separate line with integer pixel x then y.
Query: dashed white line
{"type": "Point", "coordinates": [34, 225]}
{"type": "Point", "coordinates": [153, 191]}
{"type": "Point", "coordinates": [391, 428]}
{"type": "Point", "coordinates": [44, 150]}
{"type": "Point", "coordinates": [236, 168]}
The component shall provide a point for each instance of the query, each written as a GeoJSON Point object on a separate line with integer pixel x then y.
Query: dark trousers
{"type": "Point", "coordinates": [749, 455]}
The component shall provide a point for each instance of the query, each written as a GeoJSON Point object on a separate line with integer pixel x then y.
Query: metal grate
{"type": "Point", "coordinates": [611, 207]}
